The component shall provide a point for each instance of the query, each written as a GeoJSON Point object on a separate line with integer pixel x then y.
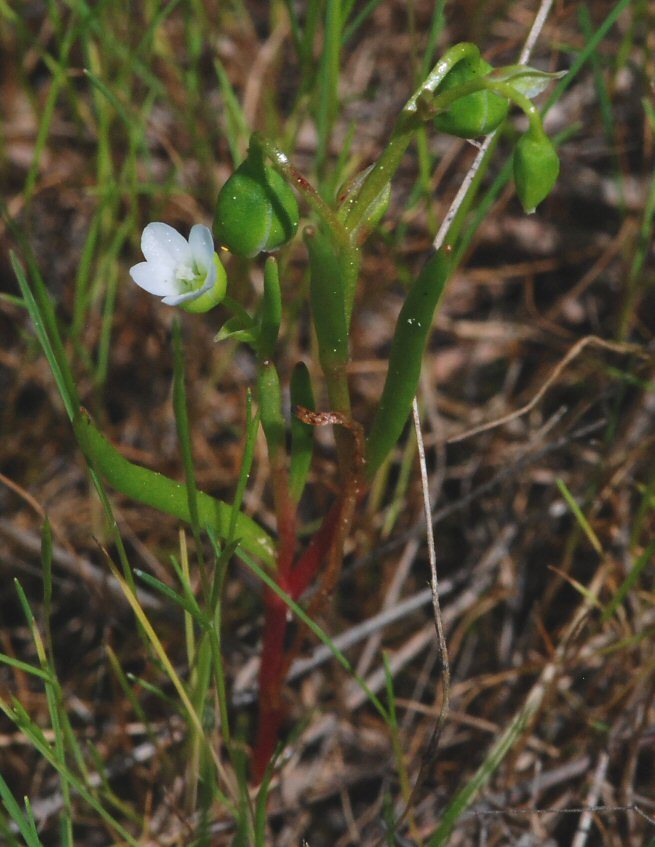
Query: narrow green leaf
{"type": "Point", "coordinates": [580, 517]}
{"type": "Point", "coordinates": [24, 824]}
{"type": "Point", "coordinates": [161, 492]}
{"type": "Point", "coordinates": [184, 602]}
{"type": "Point", "coordinates": [270, 407]}
{"type": "Point", "coordinates": [407, 349]}
{"type": "Point", "coordinates": [328, 299]}
{"type": "Point", "coordinates": [24, 666]}
{"type": "Point", "coordinates": [302, 434]}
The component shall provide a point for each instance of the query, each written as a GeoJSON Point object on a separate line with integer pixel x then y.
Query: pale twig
{"type": "Point", "coordinates": [568, 810]}
{"type": "Point", "coordinates": [433, 743]}
{"type": "Point", "coordinates": [591, 801]}
{"type": "Point", "coordinates": [477, 586]}
{"type": "Point", "coordinates": [577, 348]}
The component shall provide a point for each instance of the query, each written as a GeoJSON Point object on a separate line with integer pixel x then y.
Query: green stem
{"type": "Point", "coordinates": [406, 126]}
{"type": "Point", "coordinates": [442, 102]}
{"type": "Point", "coordinates": [329, 303]}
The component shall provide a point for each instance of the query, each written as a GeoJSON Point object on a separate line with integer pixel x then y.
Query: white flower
{"type": "Point", "coordinates": [180, 271]}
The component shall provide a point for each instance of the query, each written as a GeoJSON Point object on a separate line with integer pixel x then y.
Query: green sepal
{"type": "Point", "coordinates": [302, 434]}
{"type": "Point", "coordinates": [210, 298]}
{"type": "Point", "coordinates": [528, 81]}
{"type": "Point", "coordinates": [474, 114]}
{"type": "Point", "coordinates": [235, 329]}
{"type": "Point", "coordinates": [536, 168]}
{"type": "Point", "coordinates": [256, 210]}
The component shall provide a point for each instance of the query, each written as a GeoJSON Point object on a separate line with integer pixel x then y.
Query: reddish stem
{"type": "Point", "coordinates": [305, 571]}
{"type": "Point", "coordinates": [274, 662]}
{"type": "Point", "coordinates": [273, 667]}
{"type": "Point", "coordinates": [327, 543]}
{"type": "Point", "coordinates": [271, 677]}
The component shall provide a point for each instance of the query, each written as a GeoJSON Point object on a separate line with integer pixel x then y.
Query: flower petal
{"type": "Point", "coordinates": [176, 299]}
{"type": "Point", "coordinates": [201, 244]}
{"type": "Point", "coordinates": [155, 278]}
{"type": "Point", "coordinates": [162, 245]}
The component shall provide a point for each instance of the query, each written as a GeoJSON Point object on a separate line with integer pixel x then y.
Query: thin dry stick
{"type": "Point", "coordinates": [31, 501]}
{"type": "Point", "coordinates": [575, 351]}
{"type": "Point", "coordinates": [433, 744]}
{"type": "Point", "coordinates": [533, 35]}
{"type": "Point", "coordinates": [584, 824]}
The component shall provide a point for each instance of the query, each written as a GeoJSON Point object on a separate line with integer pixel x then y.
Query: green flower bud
{"type": "Point", "coordinates": [536, 168]}
{"type": "Point", "coordinates": [475, 114]}
{"type": "Point", "coordinates": [256, 210]}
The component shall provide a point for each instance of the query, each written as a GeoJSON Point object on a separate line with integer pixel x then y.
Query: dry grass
{"type": "Point", "coordinates": [516, 566]}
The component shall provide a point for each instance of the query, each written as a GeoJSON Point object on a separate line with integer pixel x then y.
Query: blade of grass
{"type": "Point", "coordinates": [629, 582]}
{"type": "Point", "coordinates": [41, 312]}
{"type": "Point", "coordinates": [25, 824]}
{"type": "Point", "coordinates": [359, 20]}
{"type": "Point", "coordinates": [235, 126]}
{"type": "Point", "coordinates": [173, 676]}
{"type": "Point", "coordinates": [184, 431]}
{"type": "Point", "coordinates": [580, 516]}
{"type": "Point", "coordinates": [17, 715]}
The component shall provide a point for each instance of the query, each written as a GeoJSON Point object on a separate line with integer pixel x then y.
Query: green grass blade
{"type": "Point", "coordinates": [170, 594]}
{"type": "Point", "coordinates": [580, 517]}
{"type": "Point", "coordinates": [236, 127]}
{"type": "Point", "coordinates": [41, 312]}
{"type": "Point", "coordinates": [24, 666]}
{"type": "Point", "coordinates": [633, 577]}
{"type": "Point", "coordinates": [35, 736]}
{"type": "Point", "coordinates": [25, 825]}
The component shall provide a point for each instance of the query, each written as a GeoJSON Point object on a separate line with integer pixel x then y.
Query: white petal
{"type": "Point", "coordinates": [154, 278]}
{"type": "Point", "coordinates": [201, 243]}
{"type": "Point", "coordinates": [163, 245]}
{"type": "Point", "coordinates": [176, 299]}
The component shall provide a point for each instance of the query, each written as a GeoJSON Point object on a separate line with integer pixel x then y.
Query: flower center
{"type": "Point", "coordinates": [189, 276]}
